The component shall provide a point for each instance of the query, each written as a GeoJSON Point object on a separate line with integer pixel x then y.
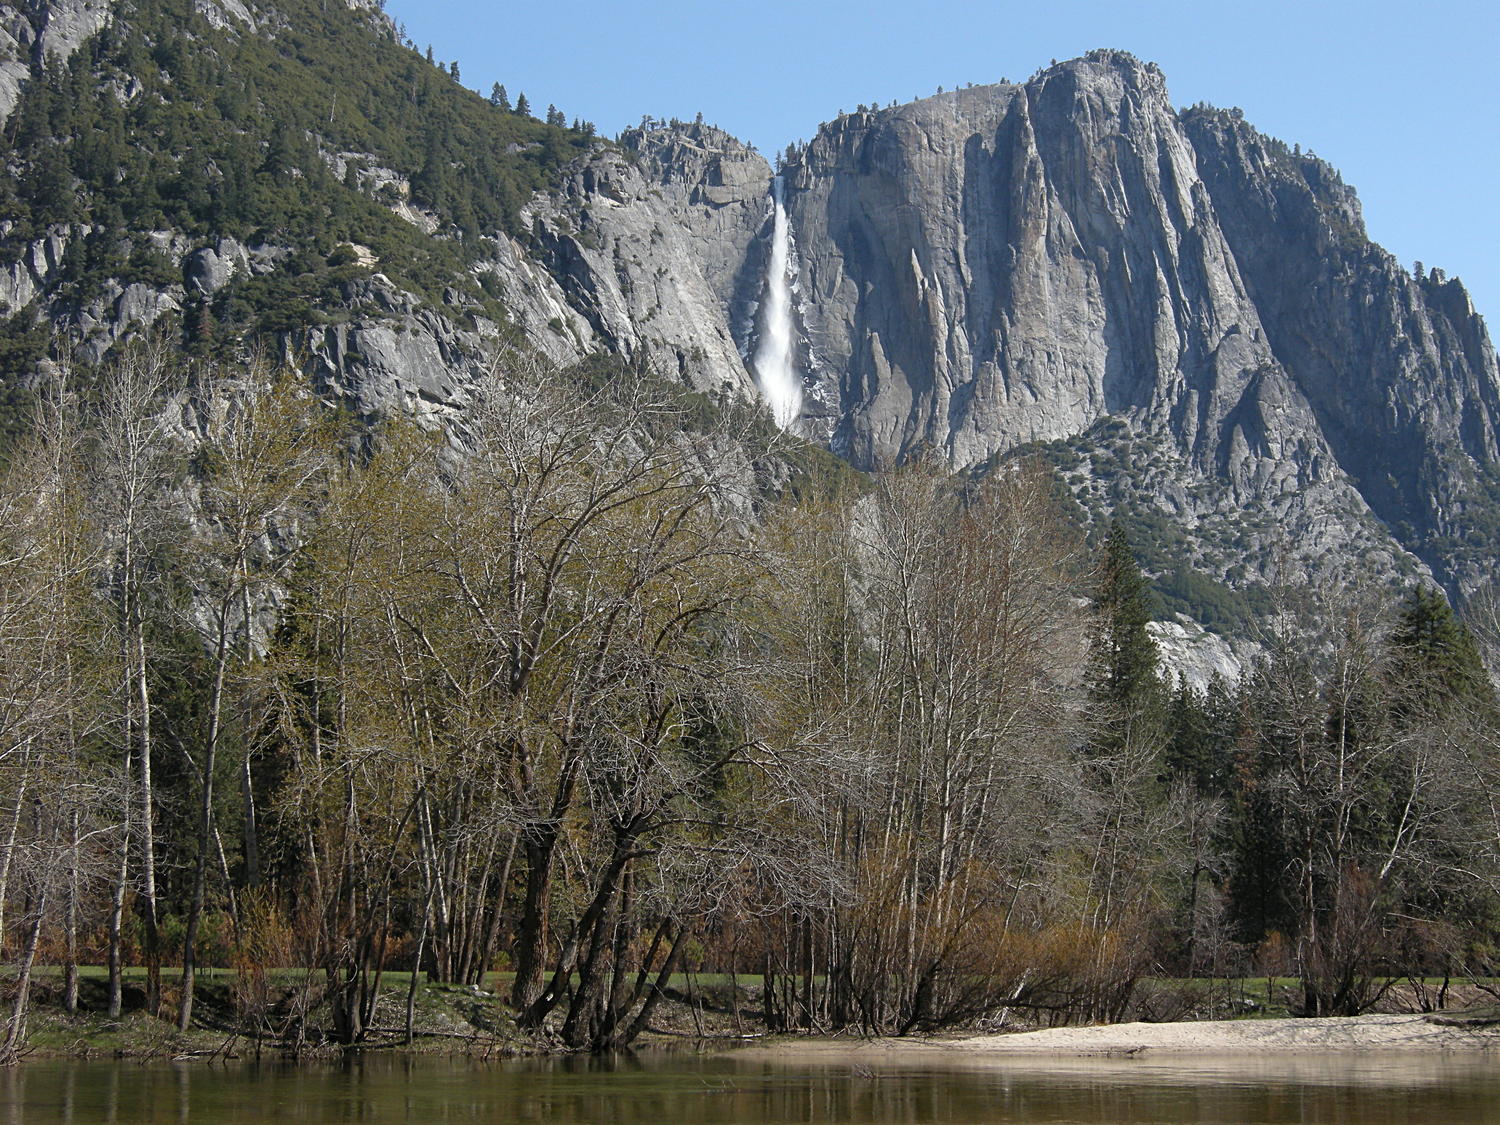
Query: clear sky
{"type": "Point", "coordinates": [1403, 98]}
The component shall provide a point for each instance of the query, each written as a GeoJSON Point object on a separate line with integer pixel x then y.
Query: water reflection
{"type": "Point", "coordinates": [671, 1089]}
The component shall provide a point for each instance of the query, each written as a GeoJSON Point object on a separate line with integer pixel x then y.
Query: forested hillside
{"type": "Point", "coordinates": [300, 132]}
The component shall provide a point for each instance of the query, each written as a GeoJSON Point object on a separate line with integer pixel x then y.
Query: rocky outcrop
{"type": "Point", "coordinates": [1189, 653]}
{"type": "Point", "coordinates": [209, 269]}
{"type": "Point", "coordinates": [655, 246]}
{"type": "Point", "coordinates": [22, 279]}
{"type": "Point", "coordinates": [17, 39]}
{"type": "Point", "coordinates": [64, 25]}
{"type": "Point", "coordinates": [225, 14]}
{"type": "Point", "coordinates": [537, 305]}
{"type": "Point", "coordinates": [1399, 370]}
{"type": "Point", "coordinates": [36, 32]}
{"type": "Point", "coordinates": [1013, 264]}
{"type": "Point", "coordinates": [120, 310]}
{"type": "Point", "coordinates": [397, 357]}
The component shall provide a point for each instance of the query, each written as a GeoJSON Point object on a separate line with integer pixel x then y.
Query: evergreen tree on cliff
{"type": "Point", "coordinates": [1124, 687]}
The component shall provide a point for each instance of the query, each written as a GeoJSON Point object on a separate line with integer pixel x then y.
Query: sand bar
{"type": "Point", "coordinates": [1375, 1033]}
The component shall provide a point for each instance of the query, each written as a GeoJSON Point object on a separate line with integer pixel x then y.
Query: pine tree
{"type": "Point", "coordinates": [1200, 736]}
{"type": "Point", "coordinates": [523, 107]}
{"type": "Point", "coordinates": [1436, 658]}
{"type": "Point", "coordinates": [429, 187]}
{"type": "Point", "coordinates": [499, 98]}
{"type": "Point", "coordinates": [1123, 680]}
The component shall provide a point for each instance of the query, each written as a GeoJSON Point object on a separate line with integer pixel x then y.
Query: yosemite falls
{"type": "Point", "coordinates": [775, 371]}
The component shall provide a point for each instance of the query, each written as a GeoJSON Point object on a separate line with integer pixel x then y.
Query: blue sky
{"type": "Point", "coordinates": [1403, 99]}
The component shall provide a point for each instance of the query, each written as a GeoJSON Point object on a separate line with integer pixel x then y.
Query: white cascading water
{"type": "Point", "coordinates": [779, 384]}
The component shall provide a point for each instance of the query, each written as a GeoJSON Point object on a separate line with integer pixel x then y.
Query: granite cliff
{"type": "Point", "coordinates": [1035, 264]}
{"type": "Point", "coordinates": [1184, 316]}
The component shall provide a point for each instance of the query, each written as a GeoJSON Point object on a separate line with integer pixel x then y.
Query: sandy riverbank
{"type": "Point", "coordinates": [1218, 1037]}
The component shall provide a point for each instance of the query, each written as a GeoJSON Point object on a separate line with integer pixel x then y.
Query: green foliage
{"type": "Point", "coordinates": [820, 475]}
{"type": "Point", "coordinates": [1202, 727]}
{"type": "Point", "coordinates": [231, 133]}
{"type": "Point", "coordinates": [1212, 604]}
{"type": "Point", "coordinates": [1437, 659]}
{"type": "Point", "coordinates": [1111, 455]}
{"type": "Point", "coordinates": [23, 342]}
{"type": "Point", "coordinates": [150, 266]}
{"type": "Point", "coordinates": [1123, 660]}
{"type": "Point", "coordinates": [805, 471]}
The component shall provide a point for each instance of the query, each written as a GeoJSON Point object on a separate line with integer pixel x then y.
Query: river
{"type": "Point", "coordinates": [682, 1089]}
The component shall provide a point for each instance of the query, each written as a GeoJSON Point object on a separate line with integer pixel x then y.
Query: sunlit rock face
{"type": "Point", "coordinates": [660, 246]}
{"type": "Point", "coordinates": [1009, 264]}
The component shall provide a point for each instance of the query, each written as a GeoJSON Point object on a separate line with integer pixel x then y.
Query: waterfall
{"type": "Point", "coordinates": [779, 383]}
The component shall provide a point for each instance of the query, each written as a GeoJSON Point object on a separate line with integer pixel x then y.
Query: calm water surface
{"type": "Point", "coordinates": [687, 1090]}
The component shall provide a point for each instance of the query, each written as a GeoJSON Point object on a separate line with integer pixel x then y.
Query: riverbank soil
{"type": "Point", "coordinates": [707, 1011]}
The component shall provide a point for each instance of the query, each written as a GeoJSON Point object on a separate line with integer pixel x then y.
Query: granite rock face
{"type": "Point", "coordinates": [17, 41]}
{"type": "Point", "coordinates": [1399, 370]}
{"type": "Point", "coordinates": [655, 244]}
{"type": "Point", "coordinates": [1189, 652]}
{"type": "Point", "coordinates": [24, 278]}
{"type": "Point", "coordinates": [1011, 264]}
{"type": "Point", "coordinates": [63, 25]}
{"type": "Point", "coordinates": [399, 358]}
{"type": "Point", "coordinates": [1008, 264]}
{"type": "Point", "coordinates": [34, 32]}
{"type": "Point", "coordinates": [210, 268]}
{"type": "Point", "coordinates": [223, 14]}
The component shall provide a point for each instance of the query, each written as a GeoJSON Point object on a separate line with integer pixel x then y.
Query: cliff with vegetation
{"type": "Point", "coordinates": [1183, 316]}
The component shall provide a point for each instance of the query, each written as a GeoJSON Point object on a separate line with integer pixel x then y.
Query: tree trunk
{"type": "Point", "coordinates": [70, 920]}
{"type": "Point", "coordinates": [115, 955]}
{"type": "Point", "coordinates": [531, 938]}
{"type": "Point", "coordinates": [16, 1032]}
{"type": "Point", "coordinates": [247, 779]}
{"type": "Point", "coordinates": [416, 965]}
{"type": "Point", "coordinates": [147, 904]}
{"type": "Point", "coordinates": [205, 824]}
{"type": "Point", "coordinates": [492, 930]}
{"type": "Point", "coordinates": [12, 831]}
{"type": "Point", "coordinates": [653, 997]}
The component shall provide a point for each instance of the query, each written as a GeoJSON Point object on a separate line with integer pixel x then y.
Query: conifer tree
{"type": "Point", "coordinates": [1133, 832]}
{"type": "Point", "coordinates": [523, 107]}
{"type": "Point", "coordinates": [1200, 726]}
{"type": "Point", "coordinates": [1437, 659]}
{"type": "Point", "coordinates": [499, 98]}
{"type": "Point", "coordinates": [1123, 680]}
